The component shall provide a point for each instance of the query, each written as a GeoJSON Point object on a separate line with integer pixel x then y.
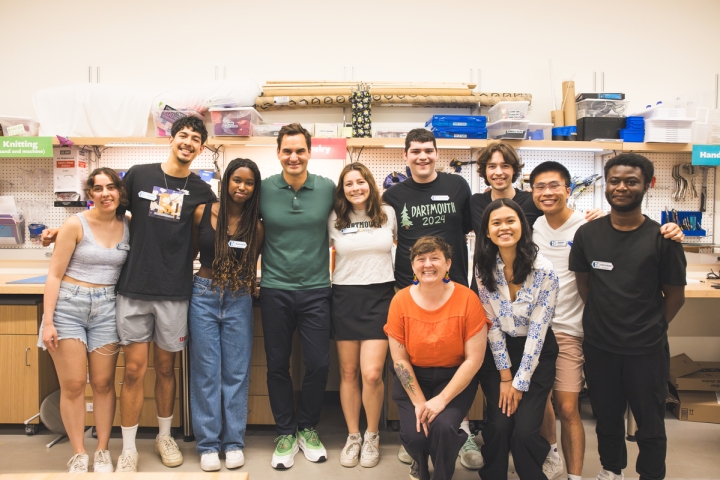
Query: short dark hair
{"type": "Point", "coordinates": [509, 155]}
{"type": "Point", "coordinates": [292, 130]}
{"type": "Point", "coordinates": [551, 166]}
{"type": "Point", "coordinates": [419, 135]}
{"type": "Point", "coordinates": [632, 160]}
{"type": "Point", "coordinates": [429, 244]}
{"type": "Point", "coordinates": [193, 123]}
{"type": "Point", "coordinates": [115, 178]}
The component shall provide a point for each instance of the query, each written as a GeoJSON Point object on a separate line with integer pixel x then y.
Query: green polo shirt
{"type": "Point", "coordinates": [295, 254]}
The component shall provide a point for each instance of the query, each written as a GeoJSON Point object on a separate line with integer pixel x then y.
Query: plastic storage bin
{"type": "Point", "coordinates": [460, 132]}
{"type": "Point", "coordinates": [629, 135]}
{"type": "Point", "coordinates": [601, 108]}
{"type": "Point", "coordinates": [668, 131]}
{"type": "Point", "coordinates": [11, 127]}
{"type": "Point", "coordinates": [661, 111]}
{"type": "Point", "coordinates": [473, 121]}
{"type": "Point", "coordinates": [694, 218]}
{"type": "Point", "coordinates": [508, 111]}
{"type": "Point", "coordinates": [267, 130]}
{"type": "Point", "coordinates": [164, 119]}
{"type": "Point", "coordinates": [512, 129]}
{"type": "Point", "coordinates": [239, 121]}
{"type": "Point", "coordinates": [540, 131]}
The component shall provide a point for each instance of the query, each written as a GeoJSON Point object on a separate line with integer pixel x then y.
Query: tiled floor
{"type": "Point", "coordinates": [693, 452]}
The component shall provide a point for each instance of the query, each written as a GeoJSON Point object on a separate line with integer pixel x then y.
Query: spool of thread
{"type": "Point", "coordinates": [568, 95]}
{"type": "Point", "coordinates": [558, 118]}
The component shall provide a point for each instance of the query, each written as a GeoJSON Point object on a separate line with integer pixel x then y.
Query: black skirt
{"type": "Point", "coordinates": [359, 312]}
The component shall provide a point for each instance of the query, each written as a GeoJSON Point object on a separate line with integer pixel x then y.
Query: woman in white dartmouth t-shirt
{"type": "Point", "coordinates": [362, 231]}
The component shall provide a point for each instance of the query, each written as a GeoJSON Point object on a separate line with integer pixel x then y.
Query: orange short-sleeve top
{"type": "Point", "coordinates": [436, 338]}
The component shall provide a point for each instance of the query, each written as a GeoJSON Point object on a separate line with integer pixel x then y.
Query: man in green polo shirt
{"type": "Point", "coordinates": [295, 293]}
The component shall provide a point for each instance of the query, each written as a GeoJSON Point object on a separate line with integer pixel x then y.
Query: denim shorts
{"type": "Point", "coordinates": [87, 314]}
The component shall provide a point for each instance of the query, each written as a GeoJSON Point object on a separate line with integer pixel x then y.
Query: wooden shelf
{"type": "Point", "coordinates": [657, 147]}
{"type": "Point", "coordinates": [117, 141]}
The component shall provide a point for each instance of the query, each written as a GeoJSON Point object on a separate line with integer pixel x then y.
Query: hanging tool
{"type": "Point", "coordinates": [457, 164]}
{"type": "Point", "coordinates": [703, 189]}
{"type": "Point", "coordinates": [647, 197]}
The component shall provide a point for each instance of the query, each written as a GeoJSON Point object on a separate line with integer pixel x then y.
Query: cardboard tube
{"type": "Point", "coordinates": [558, 118]}
{"type": "Point", "coordinates": [568, 89]}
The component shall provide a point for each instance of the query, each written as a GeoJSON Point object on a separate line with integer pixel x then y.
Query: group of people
{"type": "Point", "coordinates": [536, 316]}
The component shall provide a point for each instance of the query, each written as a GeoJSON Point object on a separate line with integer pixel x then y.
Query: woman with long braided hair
{"type": "Point", "coordinates": [228, 234]}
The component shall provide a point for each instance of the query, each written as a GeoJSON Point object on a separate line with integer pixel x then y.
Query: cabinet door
{"type": "Point", "coordinates": [18, 377]}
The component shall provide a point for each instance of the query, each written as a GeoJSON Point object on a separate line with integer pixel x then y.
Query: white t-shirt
{"type": "Point", "coordinates": [363, 254]}
{"type": "Point", "coordinates": [555, 245]}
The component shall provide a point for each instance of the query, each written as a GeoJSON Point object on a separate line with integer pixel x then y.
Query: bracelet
{"type": "Point", "coordinates": [503, 381]}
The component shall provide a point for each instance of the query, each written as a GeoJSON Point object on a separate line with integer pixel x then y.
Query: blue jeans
{"type": "Point", "coordinates": [221, 334]}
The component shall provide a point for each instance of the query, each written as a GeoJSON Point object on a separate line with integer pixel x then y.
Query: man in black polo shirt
{"type": "Point", "coordinates": [632, 281]}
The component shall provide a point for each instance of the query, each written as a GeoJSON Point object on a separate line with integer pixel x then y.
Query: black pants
{"type": "Point", "coordinates": [444, 435]}
{"type": "Point", "coordinates": [615, 380]}
{"type": "Point", "coordinates": [308, 311]}
{"type": "Point", "coordinates": [519, 433]}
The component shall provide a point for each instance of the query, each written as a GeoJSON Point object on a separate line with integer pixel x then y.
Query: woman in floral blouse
{"type": "Point", "coordinates": [518, 288]}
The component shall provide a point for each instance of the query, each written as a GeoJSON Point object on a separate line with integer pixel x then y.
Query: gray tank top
{"type": "Point", "coordinates": [93, 263]}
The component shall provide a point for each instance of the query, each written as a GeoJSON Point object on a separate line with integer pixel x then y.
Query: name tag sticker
{"type": "Point", "coordinates": [147, 196]}
{"type": "Point", "coordinates": [184, 192]}
{"type": "Point", "coordinates": [123, 246]}
{"type": "Point", "coordinates": [524, 296]}
{"type": "Point", "coordinates": [561, 243]}
{"type": "Point", "coordinates": [345, 231]}
{"type": "Point", "coordinates": [440, 198]}
{"type": "Point", "coordinates": [602, 265]}
{"type": "Point", "coordinates": [236, 244]}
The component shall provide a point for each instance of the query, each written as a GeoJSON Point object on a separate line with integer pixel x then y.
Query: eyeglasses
{"type": "Point", "coordinates": [553, 186]}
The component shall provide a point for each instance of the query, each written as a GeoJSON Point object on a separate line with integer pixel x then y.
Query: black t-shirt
{"type": "Point", "coordinates": [479, 201]}
{"type": "Point", "coordinates": [440, 208]}
{"type": "Point", "coordinates": [625, 310]}
{"type": "Point", "coordinates": [159, 265]}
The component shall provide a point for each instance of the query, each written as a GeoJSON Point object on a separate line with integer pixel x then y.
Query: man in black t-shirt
{"type": "Point", "coordinates": [429, 203]}
{"type": "Point", "coordinates": [632, 282]}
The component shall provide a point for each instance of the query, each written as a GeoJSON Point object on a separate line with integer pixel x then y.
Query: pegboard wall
{"type": "Point", "coordinates": [660, 196]}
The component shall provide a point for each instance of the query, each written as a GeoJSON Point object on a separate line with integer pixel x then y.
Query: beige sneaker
{"type": "Point", "coordinates": [78, 463]}
{"type": "Point", "coordinates": [169, 451]}
{"type": "Point", "coordinates": [127, 462]}
{"type": "Point", "coordinates": [552, 468]}
{"type": "Point", "coordinates": [370, 454]}
{"type": "Point", "coordinates": [351, 451]}
{"type": "Point", "coordinates": [102, 462]}
{"type": "Point", "coordinates": [403, 456]}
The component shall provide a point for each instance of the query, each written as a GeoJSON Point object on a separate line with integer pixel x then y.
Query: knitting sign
{"type": "Point", "coordinates": [26, 147]}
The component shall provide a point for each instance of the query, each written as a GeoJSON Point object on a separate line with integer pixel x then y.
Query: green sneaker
{"type": "Point", "coordinates": [285, 451]}
{"type": "Point", "coordinates": [309, 442]}
{"type": "Point", "coordinates": [470, 456]}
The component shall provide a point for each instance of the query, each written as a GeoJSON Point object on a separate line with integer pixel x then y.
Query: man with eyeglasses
{"type": "Point", "coordinates": [554, 233]}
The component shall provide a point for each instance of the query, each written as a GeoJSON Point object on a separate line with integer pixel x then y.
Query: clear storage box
{"type": "Point", "coordinates": [540, 131]}
{"type": "Point", "coordinates": [508, 111]}
{"type": "Point", "coordinates": [592, 107]}
{"type": "Point", "coordinates": [662, 111]}
{"type": "Point", "coordinates": [238, 121]}
{"type": "Point", "coordinates": [460, 132]}
{"type": "Point", "coordinates": [512, 129]}
{"type": "Point", "coordinates": [267, 130]}
{"type": "Point", "coordinates": [164, 119]}
{"type": "Point", "coordinates": [18, 127]}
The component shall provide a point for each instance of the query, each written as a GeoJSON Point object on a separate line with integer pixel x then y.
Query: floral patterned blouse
{"type": "Point", "coordinates": [529, 316]}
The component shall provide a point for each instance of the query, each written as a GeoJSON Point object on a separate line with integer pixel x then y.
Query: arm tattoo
{"type": "Point", "coordinates": [405, 378]}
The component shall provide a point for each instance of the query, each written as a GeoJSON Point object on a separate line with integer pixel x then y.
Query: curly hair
{"type": "Point", "coordinates": [237, 270]}
{"type": "Point", "coordinates": [342, 206]}
{"type": "Point", "coordinates": [116, 180]}
{"type": "Point", "coordinates": [509, 155]}
{"type": "Point", "coordinates": [193, 123]}
{"type": "Point", "coordinates": [486, 251]}
{"type": "Point", "coordinates": [425, 245]}
{"type": "Point", "coordinates": [632, 160]}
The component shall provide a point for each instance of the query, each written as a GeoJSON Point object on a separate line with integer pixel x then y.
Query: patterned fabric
{"type": "Point", "coordinates": [361, 121]}
{"type": "Point", "coordinates": [529, 316]}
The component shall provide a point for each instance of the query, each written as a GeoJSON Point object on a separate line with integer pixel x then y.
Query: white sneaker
{"type": "Point", "coordinates": [351, 451]}
{"type": "Point", "coordinates": [127, 461]}
{"type": "Point", "coordinates": [78, 463]}
{"type": "Point", "coordinates": [169, 451]}
{"type": "Point", "coordinates": [102, 463]}
{"type": "Point", "coordinates": [370, 455]}
{"type": "Point", "coordinates": [470, 456]}
{"type": "Point", "coordinates": [403, 456]}
{"type": "Point", "coordinates": [552, 467]}
{"type": "Point", "coordinates": [234, 459]}
{"type": "Point", "coordinates": [608, 475]}
{"type": "Point", "coordinates": [210, 462]}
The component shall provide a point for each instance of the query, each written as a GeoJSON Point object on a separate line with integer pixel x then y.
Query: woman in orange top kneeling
{"type": "Point", "coordinates": [437, 339]}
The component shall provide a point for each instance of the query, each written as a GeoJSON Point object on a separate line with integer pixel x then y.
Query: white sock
{"type": "Point", "coordinates": [465, 426]}
{"type": "Point", "coordinates": [128, 436]}
{"type": "Point", "coordinates": [165, 424]}
{"type": "Point", "coordinates": [554, 452]}
{"type": "Point", "coordinates": [574, 477]}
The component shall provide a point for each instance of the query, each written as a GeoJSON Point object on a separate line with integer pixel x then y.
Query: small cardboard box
{"type": "Point", "coordinates": [686, 374]}
{"type": "Point", "coordinates": [69, 170]}
{"type": "Point", "coordinates": [698, 407]}
{"type": "Point", "coordinates": [326, 130]}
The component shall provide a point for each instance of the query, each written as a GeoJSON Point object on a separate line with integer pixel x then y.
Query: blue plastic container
{"type": "Point", "coordinates": [693, 217]}
{"type": "Point", "coordinates": [457, 121]}
{"type": "Point", "coordinates": [460, 132]}
{"type": "Point", "coordinates": [628, 135]}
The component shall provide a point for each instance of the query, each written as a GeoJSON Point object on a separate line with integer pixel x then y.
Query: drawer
{"type": "Point", "coordinates": [148, 416]}
{"type": "Point", "coordinates": [20, 319]}
{"type": "Point", "coordinates": [121, 357]}
{"type": "Point", "coordinates": [149, 383]}
{"type": "Point", "coordinates": [259, 411]}
{"type": "Point", "coordinates": [258, 380]}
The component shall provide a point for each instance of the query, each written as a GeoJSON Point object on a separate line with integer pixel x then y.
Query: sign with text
{"type": "Point", "coordinates": [329, 148]}
{"type": "Point", "coordinates": [708, 155]}
{"type": "Point", "coordinates": [26, 147]}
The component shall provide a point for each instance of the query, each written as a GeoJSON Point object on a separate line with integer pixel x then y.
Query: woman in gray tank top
{"type": "Point", "coordinates": [79, 325]}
